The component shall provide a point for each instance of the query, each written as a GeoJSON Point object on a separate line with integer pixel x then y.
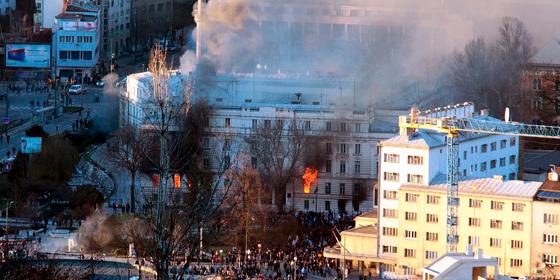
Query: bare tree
{"type": "Point", "coordinates": [279, 149]}
{"type": "Point", "coordinates": [491, 73]}
{"type": "Point", "coordinates": [129, 155]}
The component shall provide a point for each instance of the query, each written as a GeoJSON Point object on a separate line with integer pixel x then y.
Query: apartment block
{"type": "Point", "coordinates": [494, 214]}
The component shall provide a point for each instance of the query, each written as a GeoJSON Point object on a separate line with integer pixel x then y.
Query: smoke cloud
{"type": "Point", "coordinates": [382, 44]}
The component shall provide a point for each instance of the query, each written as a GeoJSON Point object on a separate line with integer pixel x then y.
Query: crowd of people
{"type": "Point", "coordinates": [300, 257]}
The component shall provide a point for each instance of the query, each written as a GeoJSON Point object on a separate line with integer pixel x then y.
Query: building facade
{"type": "Point", "coordinates": [7, 6]}
{"type": "Point", "coordinates": [421, 158]}
{"type": "Point", "coordinates": [77, 42]}
{"type": "Point", "coordinates": [116, 27]}
{"type": "Point", "coordinates": [494, 215]}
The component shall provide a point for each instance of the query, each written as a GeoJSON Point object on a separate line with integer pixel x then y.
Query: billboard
{"type": "Point", "coordinates": [78, 25]}
{"type": "Point", "coordinates": [23, 55]}
{"type": "Point", "coordinates": [31, 145]}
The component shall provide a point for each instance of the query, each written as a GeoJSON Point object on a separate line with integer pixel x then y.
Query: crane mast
{"type": "Point", "coordinates": [451, 127]}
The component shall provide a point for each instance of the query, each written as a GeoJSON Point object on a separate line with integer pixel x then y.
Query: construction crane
{"type": "Point", "coordinates": [451, 127]}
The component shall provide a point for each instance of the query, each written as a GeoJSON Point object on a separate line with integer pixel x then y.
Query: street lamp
{"type": "Point", "coordinates": [295, 267]}
{"type": "Point", "coordinates": [8, 204]}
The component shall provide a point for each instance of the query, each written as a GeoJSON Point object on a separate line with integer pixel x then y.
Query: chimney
{"type": "Point", "coordinates": [484, 112]}
{"type": "Point", "coordinates": [479, 253]}
{"type": "Point", "coordinates": [469, 250]}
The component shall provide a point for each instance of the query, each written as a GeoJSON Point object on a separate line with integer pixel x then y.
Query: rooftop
{"type": "Point", "coordinates": [486, 186]}
{"type": "Point", "coordinates": [549, 54]}
{"type": "Point", "coordinates": [372, 214]}
{"type": "Point", "coordinates": [550, 190]}
{"type": "Point", "coordinates": [365, 230]}
{"type": "Point", "coordinates": [539, 161]}
{"type": "Point", "coordinates": [446, 264]}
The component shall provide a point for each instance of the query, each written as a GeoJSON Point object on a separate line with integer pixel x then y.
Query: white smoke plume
{"type": "Point", "coordinates": [398, 40]}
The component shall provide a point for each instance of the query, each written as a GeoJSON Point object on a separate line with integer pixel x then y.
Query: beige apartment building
{"type": "Point", "coordinates": [546, 229]}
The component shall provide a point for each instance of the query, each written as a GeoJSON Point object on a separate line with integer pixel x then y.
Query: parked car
{"type": "Point", "coordinates": [77, 89]}
{"type": "Point", "coordinates": [99, 83]}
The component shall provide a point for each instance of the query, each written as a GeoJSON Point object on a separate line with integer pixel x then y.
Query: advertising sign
{"type": "Point", "coordinates": [31, 145]}
{"type": "Point", "coordinates": [78, 25]}
{"type": "Point", "coordinates": [34, 56]}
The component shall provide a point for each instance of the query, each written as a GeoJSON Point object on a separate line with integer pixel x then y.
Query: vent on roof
{"type": "Point", "coordinates": [552, 174]}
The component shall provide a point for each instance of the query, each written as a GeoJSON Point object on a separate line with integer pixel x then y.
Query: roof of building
{"type": "Point", "coordinates": [430, 139]}
{"type": "Point", "coordinates": [549, 190]}
{"type": "Point", "coordinates": [372, 214]}
{"type": "Point", "coordinates": [539, 161]}
{"type": "Point", "coordinates": [365, 230]}
{"type": "Point", "coordinates": [549, 54]}
{"type": "Point", "coordinates": [486, 186]}
{"type": "Point", "coordinates": [81, 8]}
{"type": "Point", "coordinates": [449, 262]}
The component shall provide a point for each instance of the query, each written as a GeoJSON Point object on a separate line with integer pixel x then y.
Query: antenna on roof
{"type": "Point", "coordinates": [506, 115]}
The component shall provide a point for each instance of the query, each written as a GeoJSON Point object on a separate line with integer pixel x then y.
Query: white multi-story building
{"type": "Point", "coordinates": [348, 137]}
{"type": "Point", "coordinates": [421, 158]}
{"type": "Point", "coordinates": [6, 6]}
{"type": "Point", "coordinates": [76, 42]}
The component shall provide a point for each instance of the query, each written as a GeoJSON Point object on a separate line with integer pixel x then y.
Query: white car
{"type": "Point", "coordinates": [77, 89]}
{"type": "Point", "coordinates": [99, 83]}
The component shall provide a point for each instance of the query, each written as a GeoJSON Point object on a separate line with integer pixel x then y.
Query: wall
{"type": "Point", "coordinates": [539, 246]}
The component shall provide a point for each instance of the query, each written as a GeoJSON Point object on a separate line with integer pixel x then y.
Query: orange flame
{"type": "Point", "coordinates": [309, 178]}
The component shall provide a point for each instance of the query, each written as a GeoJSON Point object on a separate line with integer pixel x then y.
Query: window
{"type": "Point", "coordinates": [516, 225]}
{"type": "Point", "coordinates": [389, 249]}
{"type": "Point", "coordinates": [86, 55]}
{"type": "Point", "coordinates": [409, 253]}
{"type": "Point", "coordinates": [228, 122]}
{"type": "Point", "coordinates": [342, 127]}
{"type": "Point", "coordinates": [431, 218]}
{"type": "Point", "coordinates": [328, 147]}
{"type": "Point", "coordinates": [415, 160]}
{"type": "Point", "coordinates": [431, 255]}
{"type": "Point", "coordinates": [357, 127]}
{"type": "Point", "coordinates": [517, 207]}
{"type": "Point", "coordinates": [495, 242]}
{"type": "Point", "coordinates": [497, 224]}
{"type": "Point", "coordinates": [432, 199]}
{"type": "Point", "coordinates": [512, 159]}
{"type": "Point", "coordinates": [502, 162]}
{"type": "Point", "coordinates": [327, 205]}
{"type": "Point", "coordinates": [549, 259]}
{"type": "Point", "coordinates": [341, 188]}
{"type": "Point", "coordinates": [493, 164]}
{"type": "Point", "coordinates": [431, 236]}
{"type": "Point", "coordinates": [493, 146]}
{"type": "Point", "coordinates": [343, 148]}
{"type": "Point", "coordinates": [475, 203]}
{"type": "Point", "coordinates": [537, 103]}
{"type": "Point", "coordinates": [391, 176]}
{"type": "Point", "coordinates": [483, 166]}
{"type": "Point", "coordinates": [64, 54]}
{"type": "Point", "coordinates": [328, 166]}
{"type": "Point", "coordinates": [537, 84]}
{"type": "Point", "coordinates": [329, 126]}
{"type": "Point", "coordinates": [415, 179]}
{"type": "Point", "coordinates": [516, 262]}
{"type": "Point", "coordinates": [254, 123]}
{"type": "Point", "coordinates": [496, 205]}
{"type": "Point", "coordinates": [474, 222]}
{"type": "Point", "coordinates": [512, 141]}
{"type": "Point", "coordinates": [391, 158]}
{"type": "Point", "coordinates": [484, 148]}
{"type": "Point", "coordinates": [550, 219]}
{"type": "Point", "coordinates": [306, 204]}
{"type": "Point", "coordinates": [267, 123]}
{"type": "Point", "coordinates": [550, 238]}
{"type": "Point", "coordinates": [280, 124]}
{"type": "Point", "coordinates": [390, 213]}
{"type": "Point", "coordinates": [357, 167]}
{"type": "Point", "coordinates": [517, 244]}
{"type": "Point", "coordinates": [342, 166]}
{"type": "Point", "coordinates": [79, 39]}
{"type": "Point", "coordinates": [390, 195]}
{"type": "Point", "coordinates": [410, 216]}
{"type": "Point", "coordinates": [411, 197]}
{"type": "Point", "coordinates": [512, 176]}
{"type": "Point", "coordinates": [474, 240]}
{"type": "Point", "coordinates": [75, 55]}
{"type": "Point", "coordinates": [357, 149]}
{"type": "Point", "coordinates": [308, 125]}
{"type": "Point", "coordinates": [389, 231]}
{"type": "Point", "coordinates": [410, 234]}
{"type": "Point", "coordinates": [327, 188]}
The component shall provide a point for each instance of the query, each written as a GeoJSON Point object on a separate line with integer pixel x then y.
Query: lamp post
{"type": "Point", "coordinates": [295, 267]}
{"type": "Point", "coordinates": [8, 204]}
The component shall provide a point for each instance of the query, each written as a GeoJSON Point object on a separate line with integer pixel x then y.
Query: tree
{"type": "Point", "coordinates": [492, 74]}
{"type": "Point", "coordinates": [129, 155]}
{"type": "Point", "coordinates": [279, 150]}
{"type": "Point", "coordinates": [56, 161]}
